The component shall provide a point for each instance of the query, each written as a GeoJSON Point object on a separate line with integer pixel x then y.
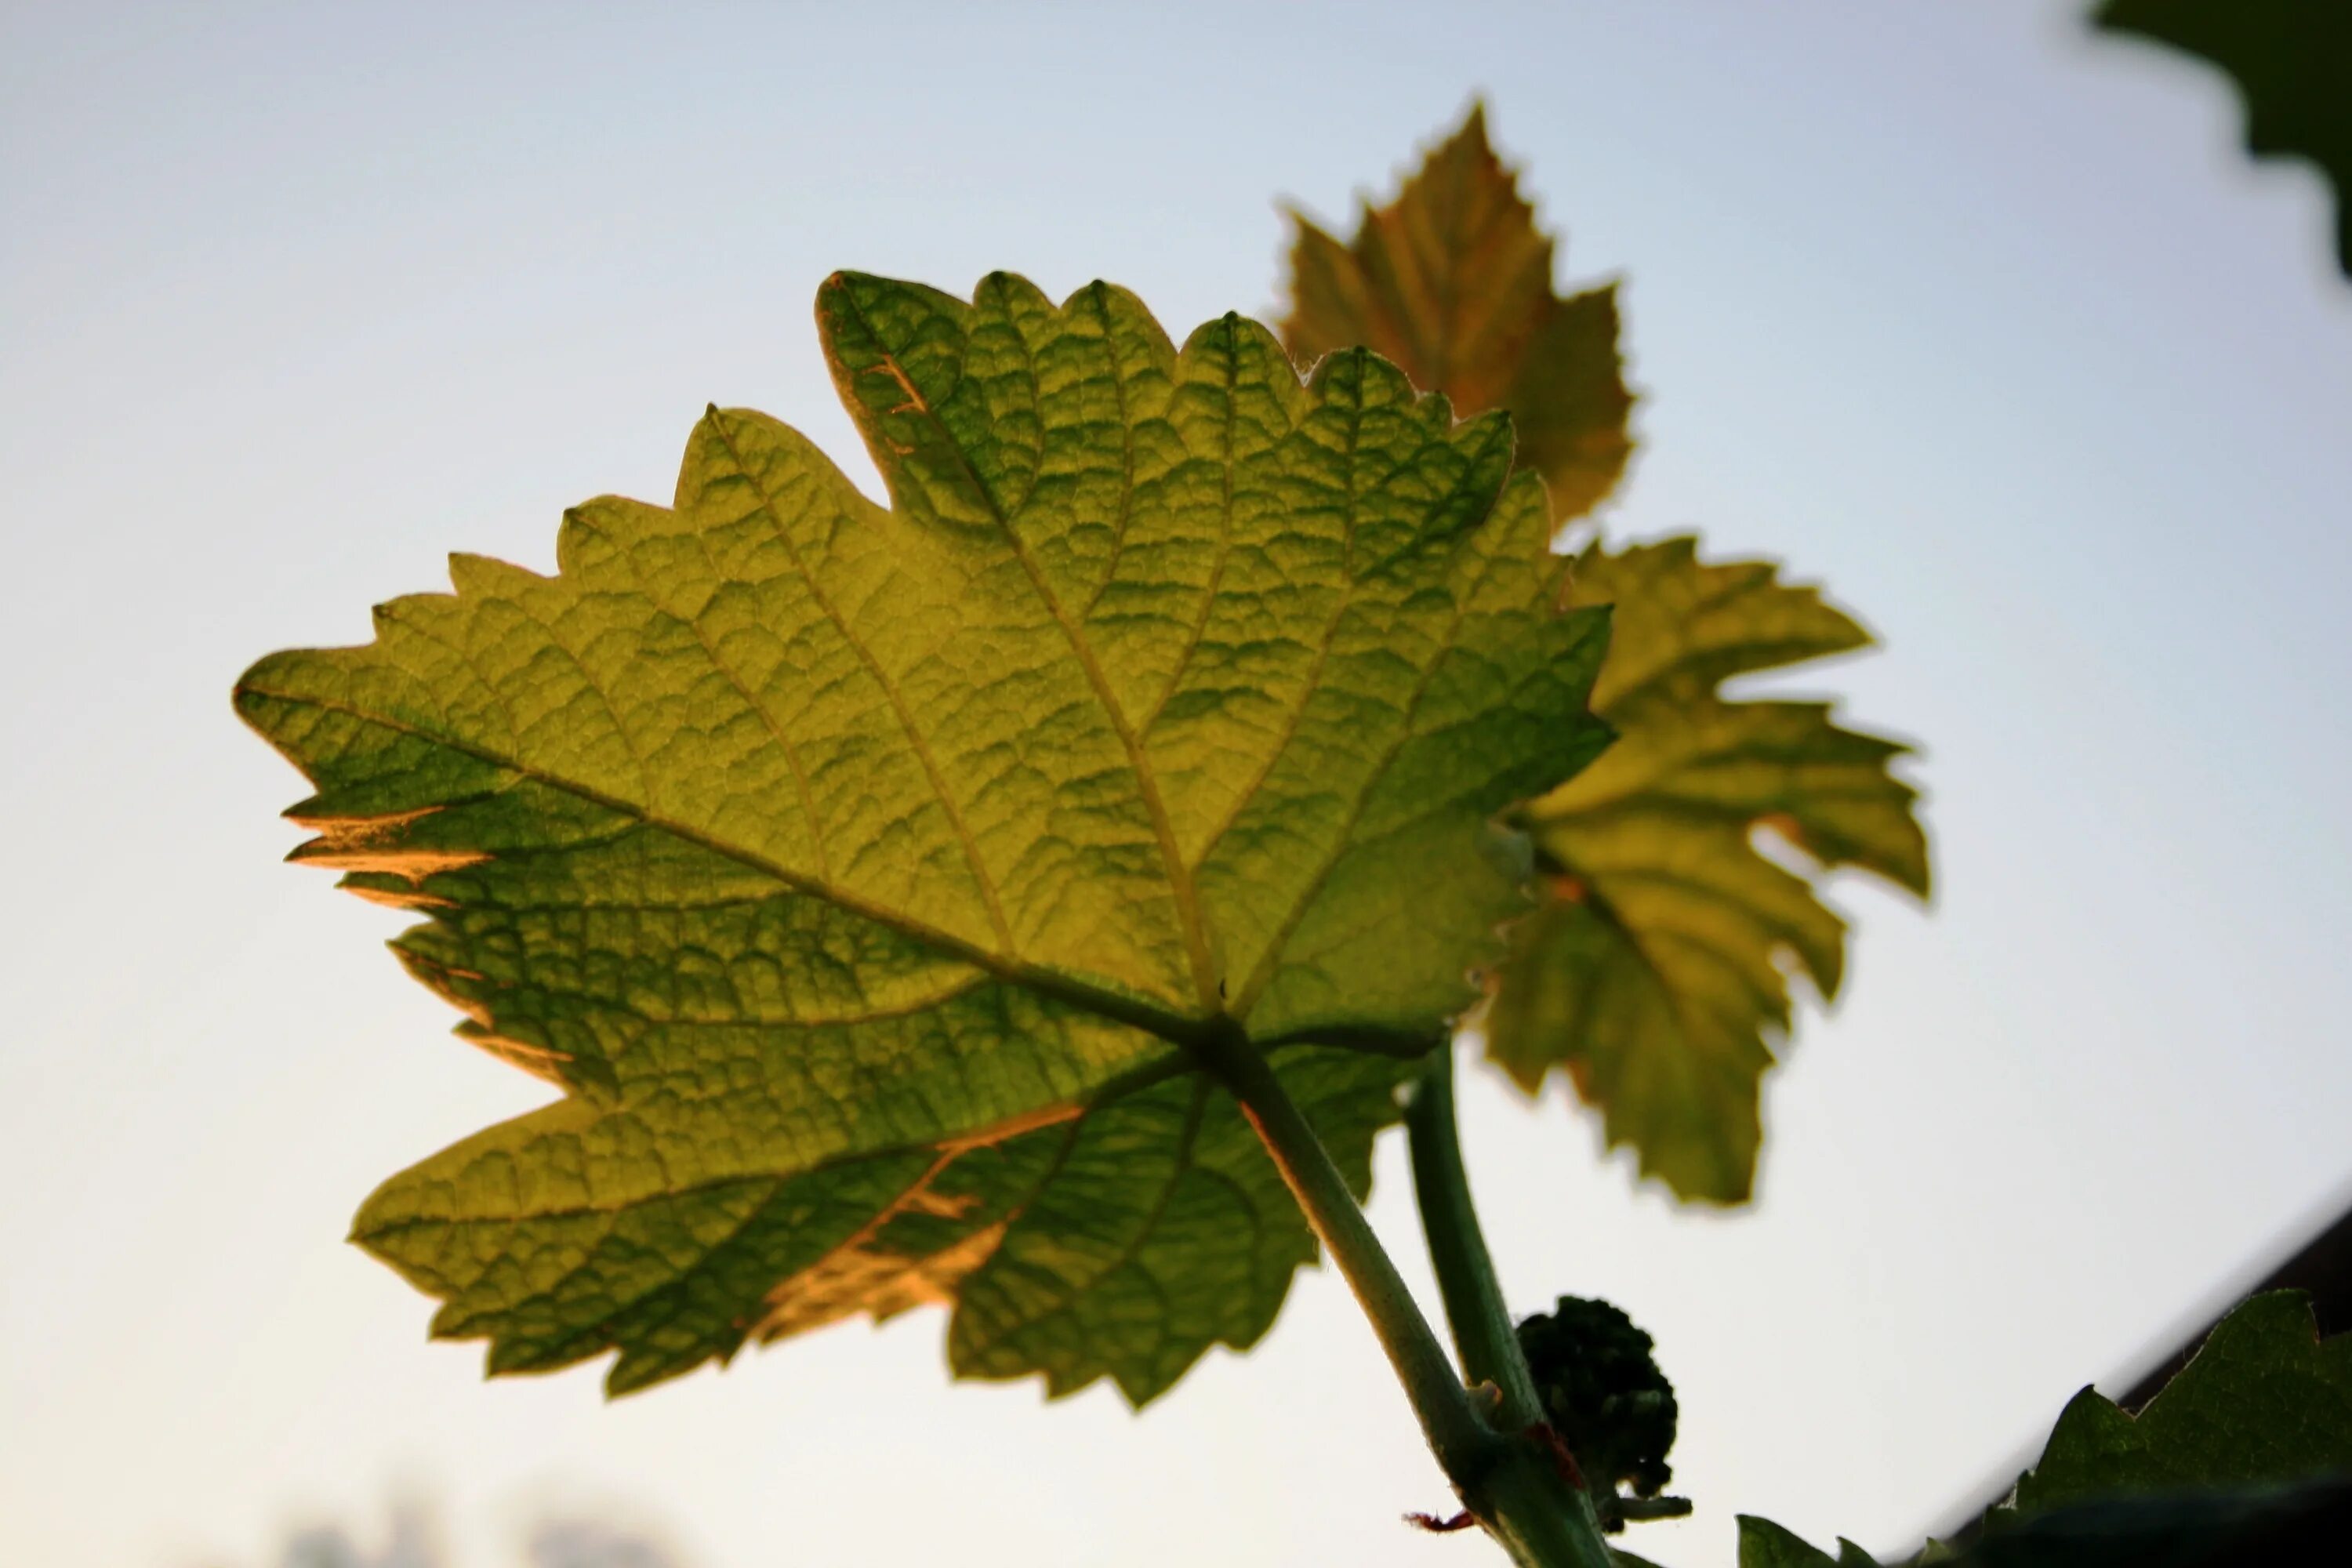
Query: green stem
{"type": "Point", "coordinates": [1537, 1513]}
{"type": "Point", "coordinates": [1462, 1443]}
{"type": "Point", "coordinates": [1511, 1483]}
{"type": "Point", "coordinates": [1539, 1517]}
{"type": "Point", "coordinates": [1482, 1325]}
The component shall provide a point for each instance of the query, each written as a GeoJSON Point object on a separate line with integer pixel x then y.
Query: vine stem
{"type": "Point", "coordinates": [1511, 1484]}
{"type": "Point", "coordinates": [1462, 1443]}
{"type": "Point", "coordinates": [1483, 1330]}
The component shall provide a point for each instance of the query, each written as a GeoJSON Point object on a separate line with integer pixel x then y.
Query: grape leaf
{"type": "Point", "coordinates": [2264, 1400]}
{"type": "Point", "coordinates": [2291, 62]}
{"type": "Point", "coordinates": [1764, 1544]}
{"type": "Point", "coordinates": [1653, 975]}
{"type": "Point", "coordinates": [2245, 1455]}
{"type": "Point", "coordinates": [1452, 281]}
{"type": "Point", "coordinates": [869, 878]}
{"type": "Point", "coordinates": [2204, 1529]}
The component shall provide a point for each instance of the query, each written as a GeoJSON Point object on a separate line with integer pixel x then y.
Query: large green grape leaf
{"type": "Point", "coordinates": [2245, 1455]}
{"type": "Point", "coordinates": [1453, 280]}
{"type": "Point", "coordinates": [2291, 62]}
{"type": "Point", "coordinates": [869, 878]}
{"type": "Point", "coordinates": [1653, 975]}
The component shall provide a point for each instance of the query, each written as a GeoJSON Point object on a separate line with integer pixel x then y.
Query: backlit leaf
{"type": "Point", "coordinates": [866, 876]}
{"type": "Point", "coordinates": [1653, 975]}
{"type": "Point", "coordinates": [2291, 62]}
{"type": "Point", "coordinates": [1452, 281]}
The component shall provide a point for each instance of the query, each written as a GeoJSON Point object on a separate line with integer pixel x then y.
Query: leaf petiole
{"type": "Point", "coordinates": [1462, 1442]}
{"type": "Point", "coordinates": [1546, 1517]}
{"type": "Point", "coordinates": [1482, 1325]}
{"type": "Point", "coordinates": [1512, 1485]}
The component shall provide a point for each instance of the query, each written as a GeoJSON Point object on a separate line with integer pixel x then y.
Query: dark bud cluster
{"type": "Point", "coordinates": [1603, 1393]}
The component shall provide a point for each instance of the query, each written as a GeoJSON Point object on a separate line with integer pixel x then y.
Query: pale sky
{"type": "Point", "coordinates": [1982, 322]}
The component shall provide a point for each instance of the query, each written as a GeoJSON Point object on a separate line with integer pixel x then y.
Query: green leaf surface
{"type": "Point", "coordinates": [2265, 1401]}
{"type": "Point", "coordinates": [1764, 1544]}
{"type": "Point", "coordinates": [868, 877]}
{"type": "Point", "coordinates": [1654, 975]}
{"type": "Point", "coordinates": [1452, 281]}
{"type": "Point", "coordinates": [2291, 63]}
{"type": "Point", "coordinates": [2226, 1528]}
{"type": "Point", "coordinates": [2245, 1457]}
{"type": "Point", "coordinates": [2234, 1528]}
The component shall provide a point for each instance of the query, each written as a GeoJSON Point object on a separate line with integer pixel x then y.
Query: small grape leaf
{"type": "Point", "coordinates": [1452, 281]}
{"type": "Point", "coordinates": [1653, 975]}
{"type": "Point", "coordinates": [2205, 1529]}
{"type": "Point", "coordinates": [2263, 1401]}
{"type": "Point", "coordinates": [869, 878]}
{"type": "Point", "coordinates": [2291, 62]}
{"type": "Point", "coordinates": [2245, 1455]}
{"type": "Point", "coordinates": [1764, 1544]}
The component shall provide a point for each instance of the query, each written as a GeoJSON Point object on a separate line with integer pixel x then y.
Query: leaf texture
{"type": "Point", "coordinates": [1764, 1544]}
{"type": "Point", "coordinates": [866, 876]}
{"type": "Point", "coordinates": [2244, 1456]}
{"type": "Point", "coordinates": [1653, 975]}
{"type": "Point", "coordinates": [2291, 63]}
{"type": "Point", "coordinates": [1452, 281]}
{"type": "Point", "coordinates": [2265, 1401]}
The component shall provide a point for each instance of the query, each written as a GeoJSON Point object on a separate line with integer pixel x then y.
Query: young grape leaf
{"type": "Point", "coordinates": [1453, 280]}
{"type": "Point", "coordinates": [1653, 977]}
{"type": "Point", "coordinates": [1653, 973]}
{"type": "Point", "coordinates": [2291, 62]}
{"type": "Point", "coordinates": [869, 878]}
{"type": "Point", "coordinates": [2244, 1456]}
{"type": "Point", "coordinates": [2263, 1401]}
{"type": "Point", "coordinates": [1764, 1544]}
{"type": "Point", "coordinates": [2206, 1528]}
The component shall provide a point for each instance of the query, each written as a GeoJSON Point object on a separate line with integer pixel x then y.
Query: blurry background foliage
{"type": "Point", "coordinates": [1681, 869]}
{"type": "Point", "coordinates": [413, 1538]}
{"type": "Point", "coordinates": [2291, 61]}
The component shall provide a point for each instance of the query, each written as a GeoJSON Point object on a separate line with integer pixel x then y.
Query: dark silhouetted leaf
{"type": "Point", "coordinates": [1764, 1544]}
{"type": "Point", "coordinates": [2244, 1457]}
{"type": "Point", "coordinates": [2263, 1401]}
{"type": "Point", "coordinates": [2292, 61]}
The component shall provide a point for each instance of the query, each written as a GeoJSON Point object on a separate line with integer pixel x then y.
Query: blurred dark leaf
{"type": "Point", "coordinates": [2291, 62]}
